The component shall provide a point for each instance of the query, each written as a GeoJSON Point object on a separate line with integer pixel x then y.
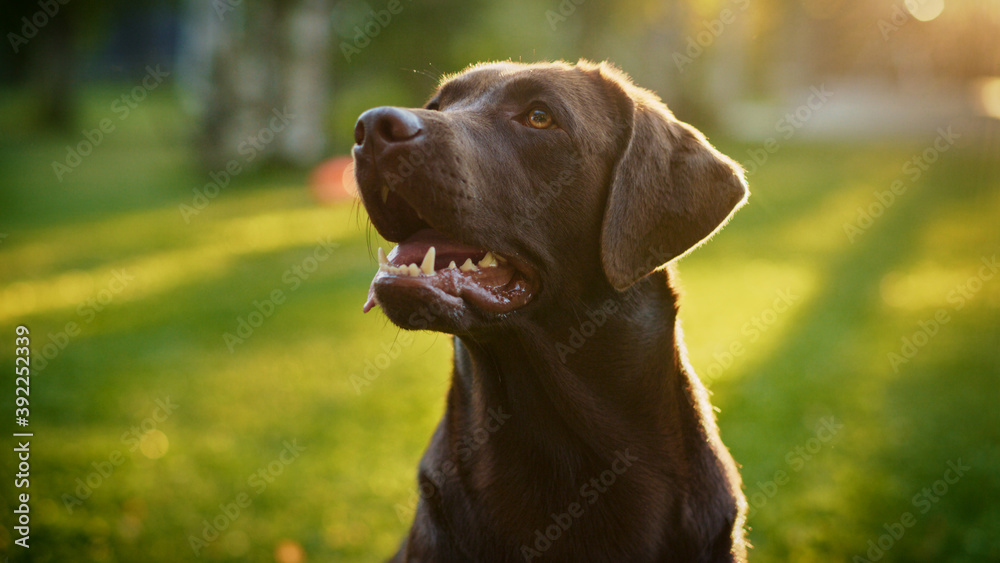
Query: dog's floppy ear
{"type": "Point", "coordinates": [670, 190]}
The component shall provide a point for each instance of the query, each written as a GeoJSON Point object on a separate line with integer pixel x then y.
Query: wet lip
{"type": "Point", "coordinates": [430, 261]}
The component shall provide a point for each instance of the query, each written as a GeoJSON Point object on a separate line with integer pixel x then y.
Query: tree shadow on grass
{"type": "Point", "coordinates": [840, 492]}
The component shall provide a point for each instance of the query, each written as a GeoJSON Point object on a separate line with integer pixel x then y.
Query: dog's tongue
{"type": "Point", "coordinates": [370, 302]}
{"type": "Point", "coordinates": [485, 286]}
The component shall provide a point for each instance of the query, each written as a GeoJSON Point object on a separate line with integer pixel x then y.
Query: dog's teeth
{"type": "Point", "coordinates": [500, 259]}
{"type": "Point", "coordinates": [488, 261]}
{"type": "Point", "coordinates": [383, 267]}
{"type": "Point", "coordinates": [381, 256]}
{"type": "Point", "coordinates": [427, 266]}
{"type": "Point", "coordinates": [468, 266]}
{"type": "Point", "coordinates": [385, 193]}
{"type": "Point", "coordinates": [413, 270]}
{"type": "Point", "coordinates": [452, 265]}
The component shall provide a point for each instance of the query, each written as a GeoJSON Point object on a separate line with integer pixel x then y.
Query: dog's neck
{"type": "Point", "coordinates": [529, 420]}
{"type": "Point", "coordinates": [598, 380]}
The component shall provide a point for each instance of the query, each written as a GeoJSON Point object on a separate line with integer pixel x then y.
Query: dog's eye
{"type": "Point", "coordinates": [540, 119]}
{"type": "Point", "coordinates": [434, 106]}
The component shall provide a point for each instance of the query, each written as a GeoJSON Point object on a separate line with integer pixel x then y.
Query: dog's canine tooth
{"type": "Point", "coordinates": [382, 259]}
{"type": "Point", "coordinates": [413, 270]}
{"type": "Point", "coordinates": [488, 261]}
{"type": "Point", "coordinates": [452, 265]}
{"type": "Point", "coordinates": [427, 266]}
{"type": "Point", "coordinates": [385, 193]}
{"type": "Point", "coordinates": [383, 267]}
{"type": "Point", "coordinates": [468, 266]}
{"type": "Point", "coordinates": [500, 259]}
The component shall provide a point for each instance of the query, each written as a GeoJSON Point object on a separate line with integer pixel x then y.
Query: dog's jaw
{"type": "Point", "coordinates": [447, 278]}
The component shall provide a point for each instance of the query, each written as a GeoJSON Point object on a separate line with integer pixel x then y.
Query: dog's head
{"type": "Point", "coordinates": [518, 188]}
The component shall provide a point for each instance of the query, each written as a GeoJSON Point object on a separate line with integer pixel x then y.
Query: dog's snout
{"type": "Point", "coordinates": [387, 125]}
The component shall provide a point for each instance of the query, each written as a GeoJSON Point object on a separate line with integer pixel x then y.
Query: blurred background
{"type": "Point", "coordinates": [179, 233]}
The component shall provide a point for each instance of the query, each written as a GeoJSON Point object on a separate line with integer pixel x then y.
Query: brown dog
{"type": "Point", "coordinates": [534, 207]}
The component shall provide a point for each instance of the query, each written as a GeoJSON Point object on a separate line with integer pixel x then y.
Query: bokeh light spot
{"type": "Point", "coordinates": [350, 185]}
{"type": "Point", "coordinates": [289, 551]}
{"type": "Point", "coordinates": [924, 10]}
{"type": "Point", "coordinates": [989, 96]}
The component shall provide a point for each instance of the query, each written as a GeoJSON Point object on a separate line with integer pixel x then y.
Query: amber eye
{"type": "Point", "coordinates": [540, 119]}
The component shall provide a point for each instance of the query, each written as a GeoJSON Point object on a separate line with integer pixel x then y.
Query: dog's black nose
{"type": "Point", "coordinates": [387, 125]}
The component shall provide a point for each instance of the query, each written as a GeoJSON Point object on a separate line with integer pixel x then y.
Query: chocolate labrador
{"type": "Point", "coordinates": [535, 207]}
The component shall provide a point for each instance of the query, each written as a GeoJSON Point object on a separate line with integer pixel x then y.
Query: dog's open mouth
{"type": "Point", "coordinates": [433, 267]}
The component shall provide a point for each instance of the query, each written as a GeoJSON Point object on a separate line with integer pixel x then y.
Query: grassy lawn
{"type": "Point", "coordinates": [149, 423]}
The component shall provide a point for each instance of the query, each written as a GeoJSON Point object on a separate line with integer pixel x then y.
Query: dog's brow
{"type": "Point", "coordinates": [449, 90]}
{"type": "Point", "coordinates": [459, 87]}
{"type": "Point", "coordinates": [526, 88]}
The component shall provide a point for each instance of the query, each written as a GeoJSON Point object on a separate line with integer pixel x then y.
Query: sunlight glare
{"type": "Point", "coordinates": [989, 96]}
{"type": "Point", "coordinates": [924, 10]}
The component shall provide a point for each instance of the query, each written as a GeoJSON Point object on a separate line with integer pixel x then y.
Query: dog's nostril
{"type": "Point", "coordinates": [395, 125]}
{"type": "Point", "coordinates": [383, 126]}
{"type": "Point", "coordinates": [359, 133]}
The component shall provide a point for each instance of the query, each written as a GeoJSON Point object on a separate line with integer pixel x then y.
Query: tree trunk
{"type": "Point", "coordinates": [245, 63]}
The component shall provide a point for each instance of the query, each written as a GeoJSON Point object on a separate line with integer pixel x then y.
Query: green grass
{"type": "Point", "coordinates": [346, 496]}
